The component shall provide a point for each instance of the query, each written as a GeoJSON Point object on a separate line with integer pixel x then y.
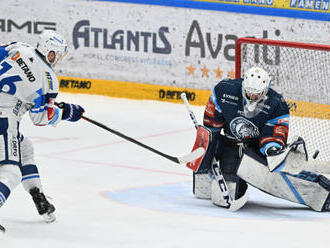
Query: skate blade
{"type": "Point", "coordinates": [49, 218]}
{"type": "Point", "coordinates": [2, 229]}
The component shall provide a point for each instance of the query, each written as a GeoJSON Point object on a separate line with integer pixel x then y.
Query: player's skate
{"type": "Point", "coordinates": [2, 229]}
{"type": "Point", "coordinates": [44, 207]}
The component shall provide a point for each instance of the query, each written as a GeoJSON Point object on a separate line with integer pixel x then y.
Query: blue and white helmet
{"type": "Point", "coordinates": [256, 83]}
{"type": "Point", "coordinates": [49, 41]}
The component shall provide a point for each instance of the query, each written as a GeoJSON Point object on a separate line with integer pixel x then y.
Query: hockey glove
{"type": "Point", "coordinates": [71, 112]}
{"type": "Point", "coordinates": [271, 149]}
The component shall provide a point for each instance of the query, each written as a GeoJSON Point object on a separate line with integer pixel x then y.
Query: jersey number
{"type": "Point", "coordinates": [7, 84]}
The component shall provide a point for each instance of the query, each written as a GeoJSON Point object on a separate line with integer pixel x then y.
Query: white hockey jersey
{"type": "Point", "coordinates": [27, 83]}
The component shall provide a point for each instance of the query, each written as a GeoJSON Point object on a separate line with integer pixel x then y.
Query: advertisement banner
{"type": "Point", "coordinates": [301, 5]}
{"type": "Point", "coordinates": [179, 47]}
{"type": "Point", "coordinates": [301, 9]}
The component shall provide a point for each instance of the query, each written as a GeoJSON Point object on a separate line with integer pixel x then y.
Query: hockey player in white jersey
{"type": "Point", "coordinates": [28, 84]}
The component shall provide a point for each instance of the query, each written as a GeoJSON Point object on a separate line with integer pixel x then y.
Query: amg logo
{"type": "Point", "coordinates": [25, 69]}
{"type": "Point", "coordinates": [30, 26]}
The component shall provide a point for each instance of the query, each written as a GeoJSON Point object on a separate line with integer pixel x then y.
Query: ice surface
{"type": "Point", "coordinates": [111, 193]}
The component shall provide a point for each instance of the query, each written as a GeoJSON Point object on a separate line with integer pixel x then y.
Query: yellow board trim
{"type": "Point", "coordinates": [141, 91]}
{"type": "Point", "coordinates": [132, 90]}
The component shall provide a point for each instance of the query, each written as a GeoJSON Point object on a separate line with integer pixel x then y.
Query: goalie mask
{"type": "Point", "coordinates": [255, 86]}
{"type": "Point", "coordinates": [50, 41]}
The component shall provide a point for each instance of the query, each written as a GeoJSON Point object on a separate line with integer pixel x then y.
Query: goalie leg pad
{"type": "Point", "coordinates": [293, 187]}
{"type": "Point", "coordinates": [202, 185]}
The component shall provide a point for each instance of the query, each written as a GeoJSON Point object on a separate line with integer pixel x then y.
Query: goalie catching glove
{"type": "Point", "coordinates": [71, 112]}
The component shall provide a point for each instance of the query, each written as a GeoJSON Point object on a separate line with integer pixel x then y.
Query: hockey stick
{"type": "Point", "coordinates": [233, 205]}
{"type": "Point", "coordinates": [179, 160]}
{"type": "Point", "coordinates": [191, 114]}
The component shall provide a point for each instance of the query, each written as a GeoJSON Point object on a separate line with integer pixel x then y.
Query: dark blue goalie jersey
{"type": "Point", "coordinates": [225, 109]}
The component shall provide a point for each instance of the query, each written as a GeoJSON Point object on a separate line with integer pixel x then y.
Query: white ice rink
{"type": "Point", "coordinates": [111, 193]}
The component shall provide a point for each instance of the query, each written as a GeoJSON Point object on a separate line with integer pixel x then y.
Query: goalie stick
{"type": "Point", "coordinates": [179, 160]}
{"type": "Point", "coordinates": [233, 205]}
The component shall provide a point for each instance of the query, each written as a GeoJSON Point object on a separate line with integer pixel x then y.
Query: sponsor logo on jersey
{"type": "Point", "coordinates": [228, 102]}
{"type": "Point", "coordinates": [240, 112]}
{"type": "Point", "coordinates": [242, 128]}
{"type": "Point", "coordinates": [49, 80]}
{"type": "Point", "coordinates": [231, 97]}
{"type": "Point", "coordinates": [14, 147]}
{"type": "Point", "coordinates": [262, 105]}
{"type": "Point", "coordinates": [24, 67]}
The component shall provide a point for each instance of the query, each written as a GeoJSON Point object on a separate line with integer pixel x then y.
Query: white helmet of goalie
{"type": "Point", "coordinates": [52, 45]}
{"type": "Point", "coordinates": [256, 83]}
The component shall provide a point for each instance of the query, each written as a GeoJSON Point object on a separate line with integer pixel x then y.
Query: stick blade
{"type": "Point", "coordinates": [192, 156]}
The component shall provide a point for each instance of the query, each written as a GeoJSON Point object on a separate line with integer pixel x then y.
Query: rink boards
{"type": "Point", "coordinates": [139, 91]}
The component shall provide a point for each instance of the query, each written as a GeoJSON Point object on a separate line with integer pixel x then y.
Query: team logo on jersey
{"type": "Point", "coordinates": [242, 128]}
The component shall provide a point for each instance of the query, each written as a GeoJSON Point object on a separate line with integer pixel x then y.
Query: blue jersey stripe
{"type": "Point", "coordinates": [214, 100]}
{"type": "Point", "coordinates": [3, 53]}
{"type": "Point", "coordinates": [30, 177]}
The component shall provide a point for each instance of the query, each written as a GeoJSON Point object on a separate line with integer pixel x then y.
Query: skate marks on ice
{"type": "Point", "coordinates": [178, 198]}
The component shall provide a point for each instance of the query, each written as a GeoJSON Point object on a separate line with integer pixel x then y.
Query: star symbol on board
{"type": "Point", "coordinates": [191, 70]}
{"type": "Point", "coordinates": [218, 73]}
{"type": "Point", "coordinates": [231, 74]}
{"type": "Point", "coordinates": [205, 71]}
